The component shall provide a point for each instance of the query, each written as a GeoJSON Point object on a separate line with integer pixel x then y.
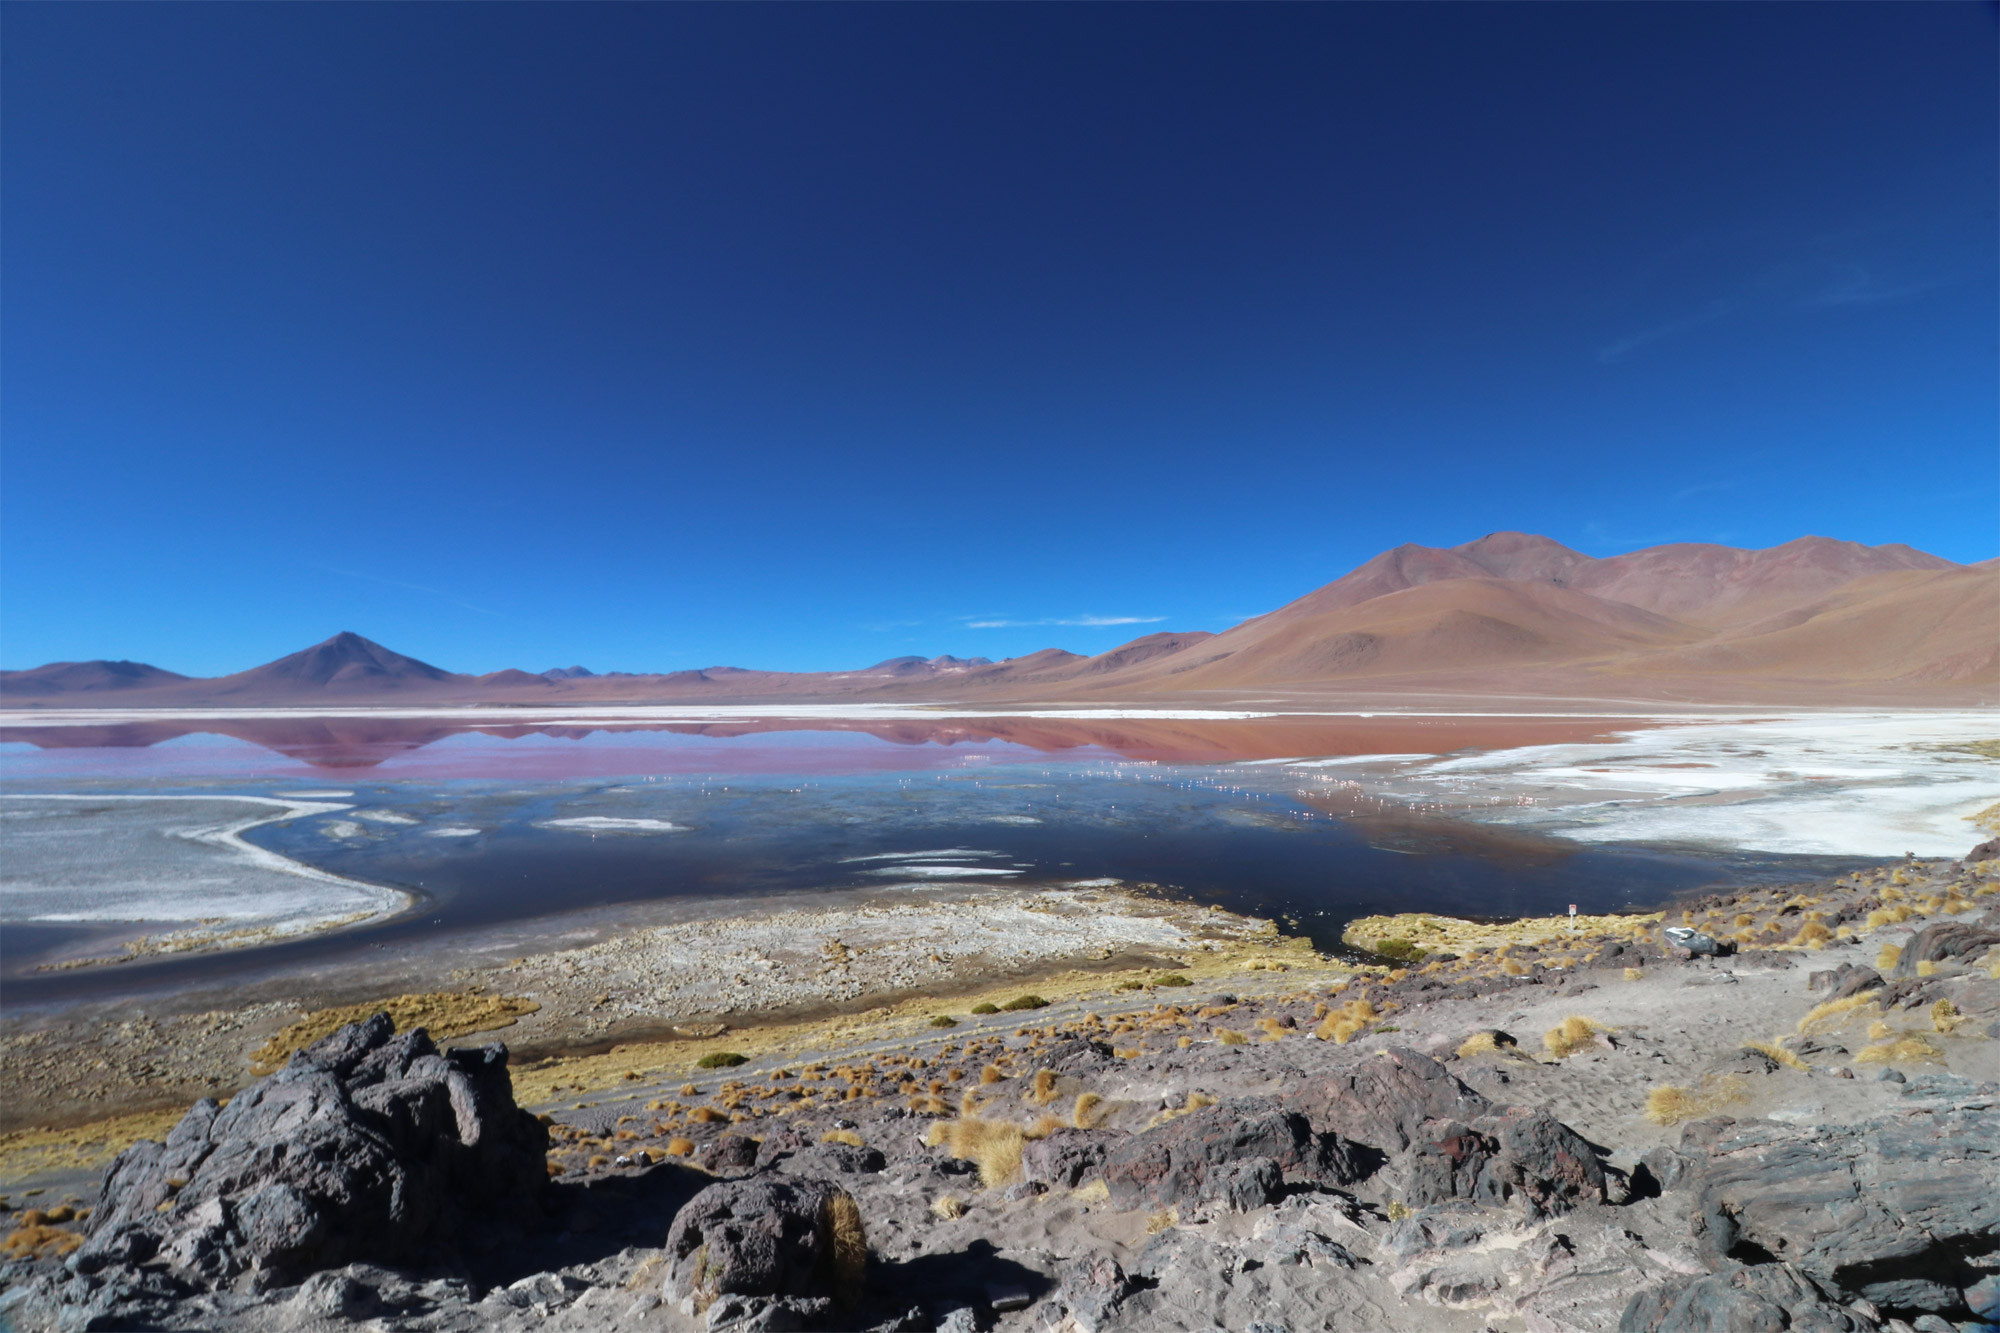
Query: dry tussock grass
{"type": "Point", "coordinates": [1342, 1025]}
{"type": "Point", "coordinates": [1946, 1018]}
{"type": "Point", "coordinates": [1229, 1037]}
{"type": "Point", "coordinates": [1088, 1112]}
{"type": "Point", "coordinates": [1909, 1048]}
{"type": "Point", "coordinates": [847, 1257]}
{"type": "Point", "coordinates": [1490, 1042]}
{"type": "Point", "coordinates": [1778, 1053]}
{"type": "Point", "coordinates": [994, 1146]}
{"type": "Point", "coordinates": [1671, 1105]}
{"type": "Point", "coordinates": [846, 1136]}
{"type": "Point", "coordinates": [1195, 1101]}
{"type": "Point", "coordinates": [440, 1013]}
{"type": "Point", "coordinates": [1571, 1035]}
{"type": "Point", "coordinates": [1886, 956]}
{"type": "Point", "coordinates": [948, 1207]}
{"type": "Point", "coordinates": [1838, 1013]}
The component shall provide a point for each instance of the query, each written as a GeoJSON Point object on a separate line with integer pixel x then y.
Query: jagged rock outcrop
{"type": "Point", "coordinates": [1235, 1153]}
{"type": "Point", "coordinates": [1514, 1155]}
{"type": "Point", "coordinates": [1892, 1210]}
{"type": "Point", "coordinates": [1944, 941]}
{"type": "Point", "coordinates": [799, 1242]}
{"type": "Point", "coordinates": [365, 1146]}
{"type": "Point", "coordinates": [1768, 1296]}
{"type": "Point", "coordinates": [1384, 1100]}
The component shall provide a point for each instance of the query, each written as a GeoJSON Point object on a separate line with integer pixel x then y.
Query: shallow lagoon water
{"type": "Point", "coordinates": [706, 818]}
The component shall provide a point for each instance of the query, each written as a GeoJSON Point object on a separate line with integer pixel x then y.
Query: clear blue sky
{"type": "Point", "coordinates": [651, 337]}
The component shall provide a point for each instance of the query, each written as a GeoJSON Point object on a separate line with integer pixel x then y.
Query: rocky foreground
{"type": "Point", "coordinates": [1785, 1115]}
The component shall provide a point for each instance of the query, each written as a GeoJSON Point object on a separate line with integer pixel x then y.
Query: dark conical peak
{"type": "Point", "coordinates": [348, 659]}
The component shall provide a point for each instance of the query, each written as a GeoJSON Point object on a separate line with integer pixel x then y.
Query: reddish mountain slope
{"type": "Point", "coordinates": [1509, 613]}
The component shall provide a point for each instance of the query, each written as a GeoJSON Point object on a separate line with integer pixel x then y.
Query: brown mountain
{"type": "Point", "coordinates": [63, 678]}
{"type": "Point", "coordinates": [1812, 621]}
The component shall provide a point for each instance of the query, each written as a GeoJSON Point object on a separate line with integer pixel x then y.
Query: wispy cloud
{"type": "Point", "coordinates": [1071, 622]}
{"type": "Point", "coordinates": [1631, 342]}
{"type": "Point", "coordinates": [453, 598]}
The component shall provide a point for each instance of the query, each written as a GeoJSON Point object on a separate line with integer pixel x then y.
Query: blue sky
{"type": "Point", "coordinates": [802, 337]}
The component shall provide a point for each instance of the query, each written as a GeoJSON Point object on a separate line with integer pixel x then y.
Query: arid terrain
{"type": "Point", "coordinates": [1814, 621]}
{"type": "Point", "coordinates": [1529, 1125]}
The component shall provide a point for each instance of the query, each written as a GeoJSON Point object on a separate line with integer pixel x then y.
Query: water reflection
{"type": "Point", "coordinates": [445, 747]}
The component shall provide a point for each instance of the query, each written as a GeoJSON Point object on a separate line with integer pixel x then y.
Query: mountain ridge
{"type": "Point", "coordinates": [1509, 611]}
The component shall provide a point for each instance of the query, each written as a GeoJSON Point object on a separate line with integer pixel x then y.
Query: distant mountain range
{"type": "Point", "coordinates": [1812, 621]}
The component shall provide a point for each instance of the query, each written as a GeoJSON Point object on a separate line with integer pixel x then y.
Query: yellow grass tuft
{"type": "Point", "coordinates": [1946, 1018]}
{"type": "Point", "coordinates": [1838, 1013]}
{"type": "Point", "coordinates": [1927, 968]}
{"type": "Point", "coordinates": [1162, 1220]}
{"type": "Point", "coordinates": [1342, 1025]}
{"type": "Point", "coordinates": [1671, 1105]}
{"type": "Point", "coordinates": [847, 1257]}
{"type": "Point", "coordinates": [1886, 956]}
{"type": "Point", "coordinates": [993, 1145]}
{"type": "Point", "coordinates": [991, 1074]}
{"type": "Point", "coordinates": [1229, 1037]}
{"type": "Point", "coordinates": [1088, 1111]}
{"type": "Point", "coordinates": [1812, 935]}
{"type": "Point", "coordinates": [1910, 1048]}
{"type": "Point", "coordinates": [1571, 1035]}
{"type": "Point", "coordinates": [1635, 974]}
{"type": "Point", "coordinates": [948, 1207]}
{"type": "Point", "coordinates": [1778, 1053]}
{"type": "Point", "coordinates": [36, 1241]}
{"type": "Point", "coordinates": [1195, 1102]}
{"type": "Point", "coordinates": [441, 1013]}
{"type": "Point", "coordinates": [1044, 1089]}
{"type": "Point", "coordinates": [846, 1136]}
{"type": "Point", "coordinates": [1487, 1043]}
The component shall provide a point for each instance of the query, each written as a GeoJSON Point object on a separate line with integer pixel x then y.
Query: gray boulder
{"type": "Point", "coordinates": [1768, 1296]}
{"type": "Point", "coordinates": [1943, 941]}
{"type": "Point", "coordinates": [1903, 1210]}
{"type": "Point", "coordinates": [765, 1237]}
{"type": "Point", "coordinates": [1383, 1100]}
{"type": "Point", "coordinates": [1065, 1159]}
{"type": "Point", "coordinates": [366, 1146]}
{"type": "Point", "coordinates": [1235, 1153]}
{"type": "Point", "coordinates": [1514, 1155]}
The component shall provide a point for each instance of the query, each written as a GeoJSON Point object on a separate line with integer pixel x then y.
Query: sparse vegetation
{"type": "Point", "coordinates": [1490, 1042]}
{"type": "Point", "coordinates": [1837, 1013]}
{"type": "Point", "coordinates": [948, 1207]}
{"type": "Point", "coordinates": [1779, 1053]}
{"type": "Point", "coordinates": [1229, 1037]}
{"type": "Point", "coordinates": [1172, 979]}
{"type": "Point", "coordinates": [1671, 1105]}
{"type": "Point", "coordinates": [944, 1021]}
{"type": "Point", "coordinates": [1088, 1111]}
{"type": "Point", "coordinates": [722, 1060]}
{"type": "Point", "coordinates": [440, 1013]}
{"type": "Point", "coordinates": [1021, 1002]}
{"type": "Point", "coordinates": [985, 1007]}
{"type": "Point", "coordinates": [1572, 1035]}
{"type": "Point", "coordinates": [846, 1136]}
{"type": "Point", "coordinates": [1908, 1048]}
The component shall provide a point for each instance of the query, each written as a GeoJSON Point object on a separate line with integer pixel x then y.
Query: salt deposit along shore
{"type": "Point", "coordinates": [1828, 784]}
{"type": "Point", "coordinates": [174, 867]}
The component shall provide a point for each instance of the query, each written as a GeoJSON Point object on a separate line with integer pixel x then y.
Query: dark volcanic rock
{"type": "Point", "coordinates": [366, 1146]}
{"type": "Point", "coordinates": [1892, 1209]}
{"type": "Point", "coordinates": [1234, 1152]}
{"type": "Point", "coordinates": [1985, 851]}
{"type": "Point", "coordinates": [728, 1153]}
{"type": "Point", "coordinates": [767, 1238]}
{"type": "Point", "coordinates": [1769, 1296]}
{"type": "Point", "coordinates": [1516, 1154]}
{"type": "Point", "coordinates": [1384, 1099]}
{"type": "Point", "coordinates": [1942, 941]}
{"type": "Point", "coordinates": [1065, 1158]}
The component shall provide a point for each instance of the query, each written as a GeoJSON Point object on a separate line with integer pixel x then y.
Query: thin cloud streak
{"type": "Point", "coordinates": [407, 587]}
{"type": "Point", "coordinates": [1072, 622]}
